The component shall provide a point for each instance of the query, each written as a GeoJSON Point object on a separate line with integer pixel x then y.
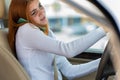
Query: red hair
{"type": "Point", "coordinates": [17, 10]}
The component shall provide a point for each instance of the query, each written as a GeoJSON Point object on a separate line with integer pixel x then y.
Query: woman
{"type": "Point", "coordinates": [36, 46]}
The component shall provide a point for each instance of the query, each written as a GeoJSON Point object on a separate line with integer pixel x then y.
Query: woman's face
{"type": "Point", "coordinates": [36, 13]}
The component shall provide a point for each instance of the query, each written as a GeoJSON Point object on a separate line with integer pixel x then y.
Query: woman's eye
{"type": "Point", "coordinates": [32, 13]}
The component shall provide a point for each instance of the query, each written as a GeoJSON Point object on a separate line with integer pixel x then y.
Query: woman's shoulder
{"type": "Point", "coordinates": [28, 26]}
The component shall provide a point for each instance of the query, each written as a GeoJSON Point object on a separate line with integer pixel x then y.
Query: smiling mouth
{"type": "Point", "coordinates": [43, 18]}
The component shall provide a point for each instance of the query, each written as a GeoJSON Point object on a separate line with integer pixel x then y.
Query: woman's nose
{"type": "Point", "coordinates": [40, 12]}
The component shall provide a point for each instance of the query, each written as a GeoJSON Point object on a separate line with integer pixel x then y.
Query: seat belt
{"type": "Point", "coordinates": [55, 69]}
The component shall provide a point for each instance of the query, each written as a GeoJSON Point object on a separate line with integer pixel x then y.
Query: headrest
{"type": "Point", "coordinates": [2, 3]}
{"type": "Point", "coordinates": [4, 6]}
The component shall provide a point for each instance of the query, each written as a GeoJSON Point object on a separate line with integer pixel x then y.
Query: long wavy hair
{"type": "Point", "coordinates": [17, 10]}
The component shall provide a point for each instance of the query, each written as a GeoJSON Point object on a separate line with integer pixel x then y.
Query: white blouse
{"type": "Point", "coordinates": [36, 52]}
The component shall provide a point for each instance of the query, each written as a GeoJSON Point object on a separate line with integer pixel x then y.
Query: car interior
{"type": "Point", "coordinates": [11, 69]}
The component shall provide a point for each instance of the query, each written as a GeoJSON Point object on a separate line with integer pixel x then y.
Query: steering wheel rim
{"type": "Point", "coordinates": [105, 68]}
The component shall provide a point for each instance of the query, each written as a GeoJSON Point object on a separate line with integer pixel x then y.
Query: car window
{"type": "Point", "coordinates": [68, 24]}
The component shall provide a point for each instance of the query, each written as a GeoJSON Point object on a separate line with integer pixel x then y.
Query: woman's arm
{"type": "Point", "coordinates": [36, 39]}
{"type": "Point", "coordinates": [75, 71]}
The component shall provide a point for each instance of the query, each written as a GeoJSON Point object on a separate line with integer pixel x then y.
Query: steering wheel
{"type": "Point", "coordinates": [105, 68]}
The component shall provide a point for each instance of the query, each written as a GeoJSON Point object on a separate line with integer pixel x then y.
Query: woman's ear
{"type": "Point", "coordinates": [21, 20]}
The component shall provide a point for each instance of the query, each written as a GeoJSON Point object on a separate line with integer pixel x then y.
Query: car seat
{"type": "Point", "coordinates": [10, 68]}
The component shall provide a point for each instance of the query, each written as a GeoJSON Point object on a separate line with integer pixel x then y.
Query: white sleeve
{"type": "Point", "coordinates": [36, 39]}
{"type": "Point", "coordinates": [76, 71]}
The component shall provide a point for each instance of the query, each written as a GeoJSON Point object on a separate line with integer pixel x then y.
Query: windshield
{"type": "Point", "coordinates": [68, 23]}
